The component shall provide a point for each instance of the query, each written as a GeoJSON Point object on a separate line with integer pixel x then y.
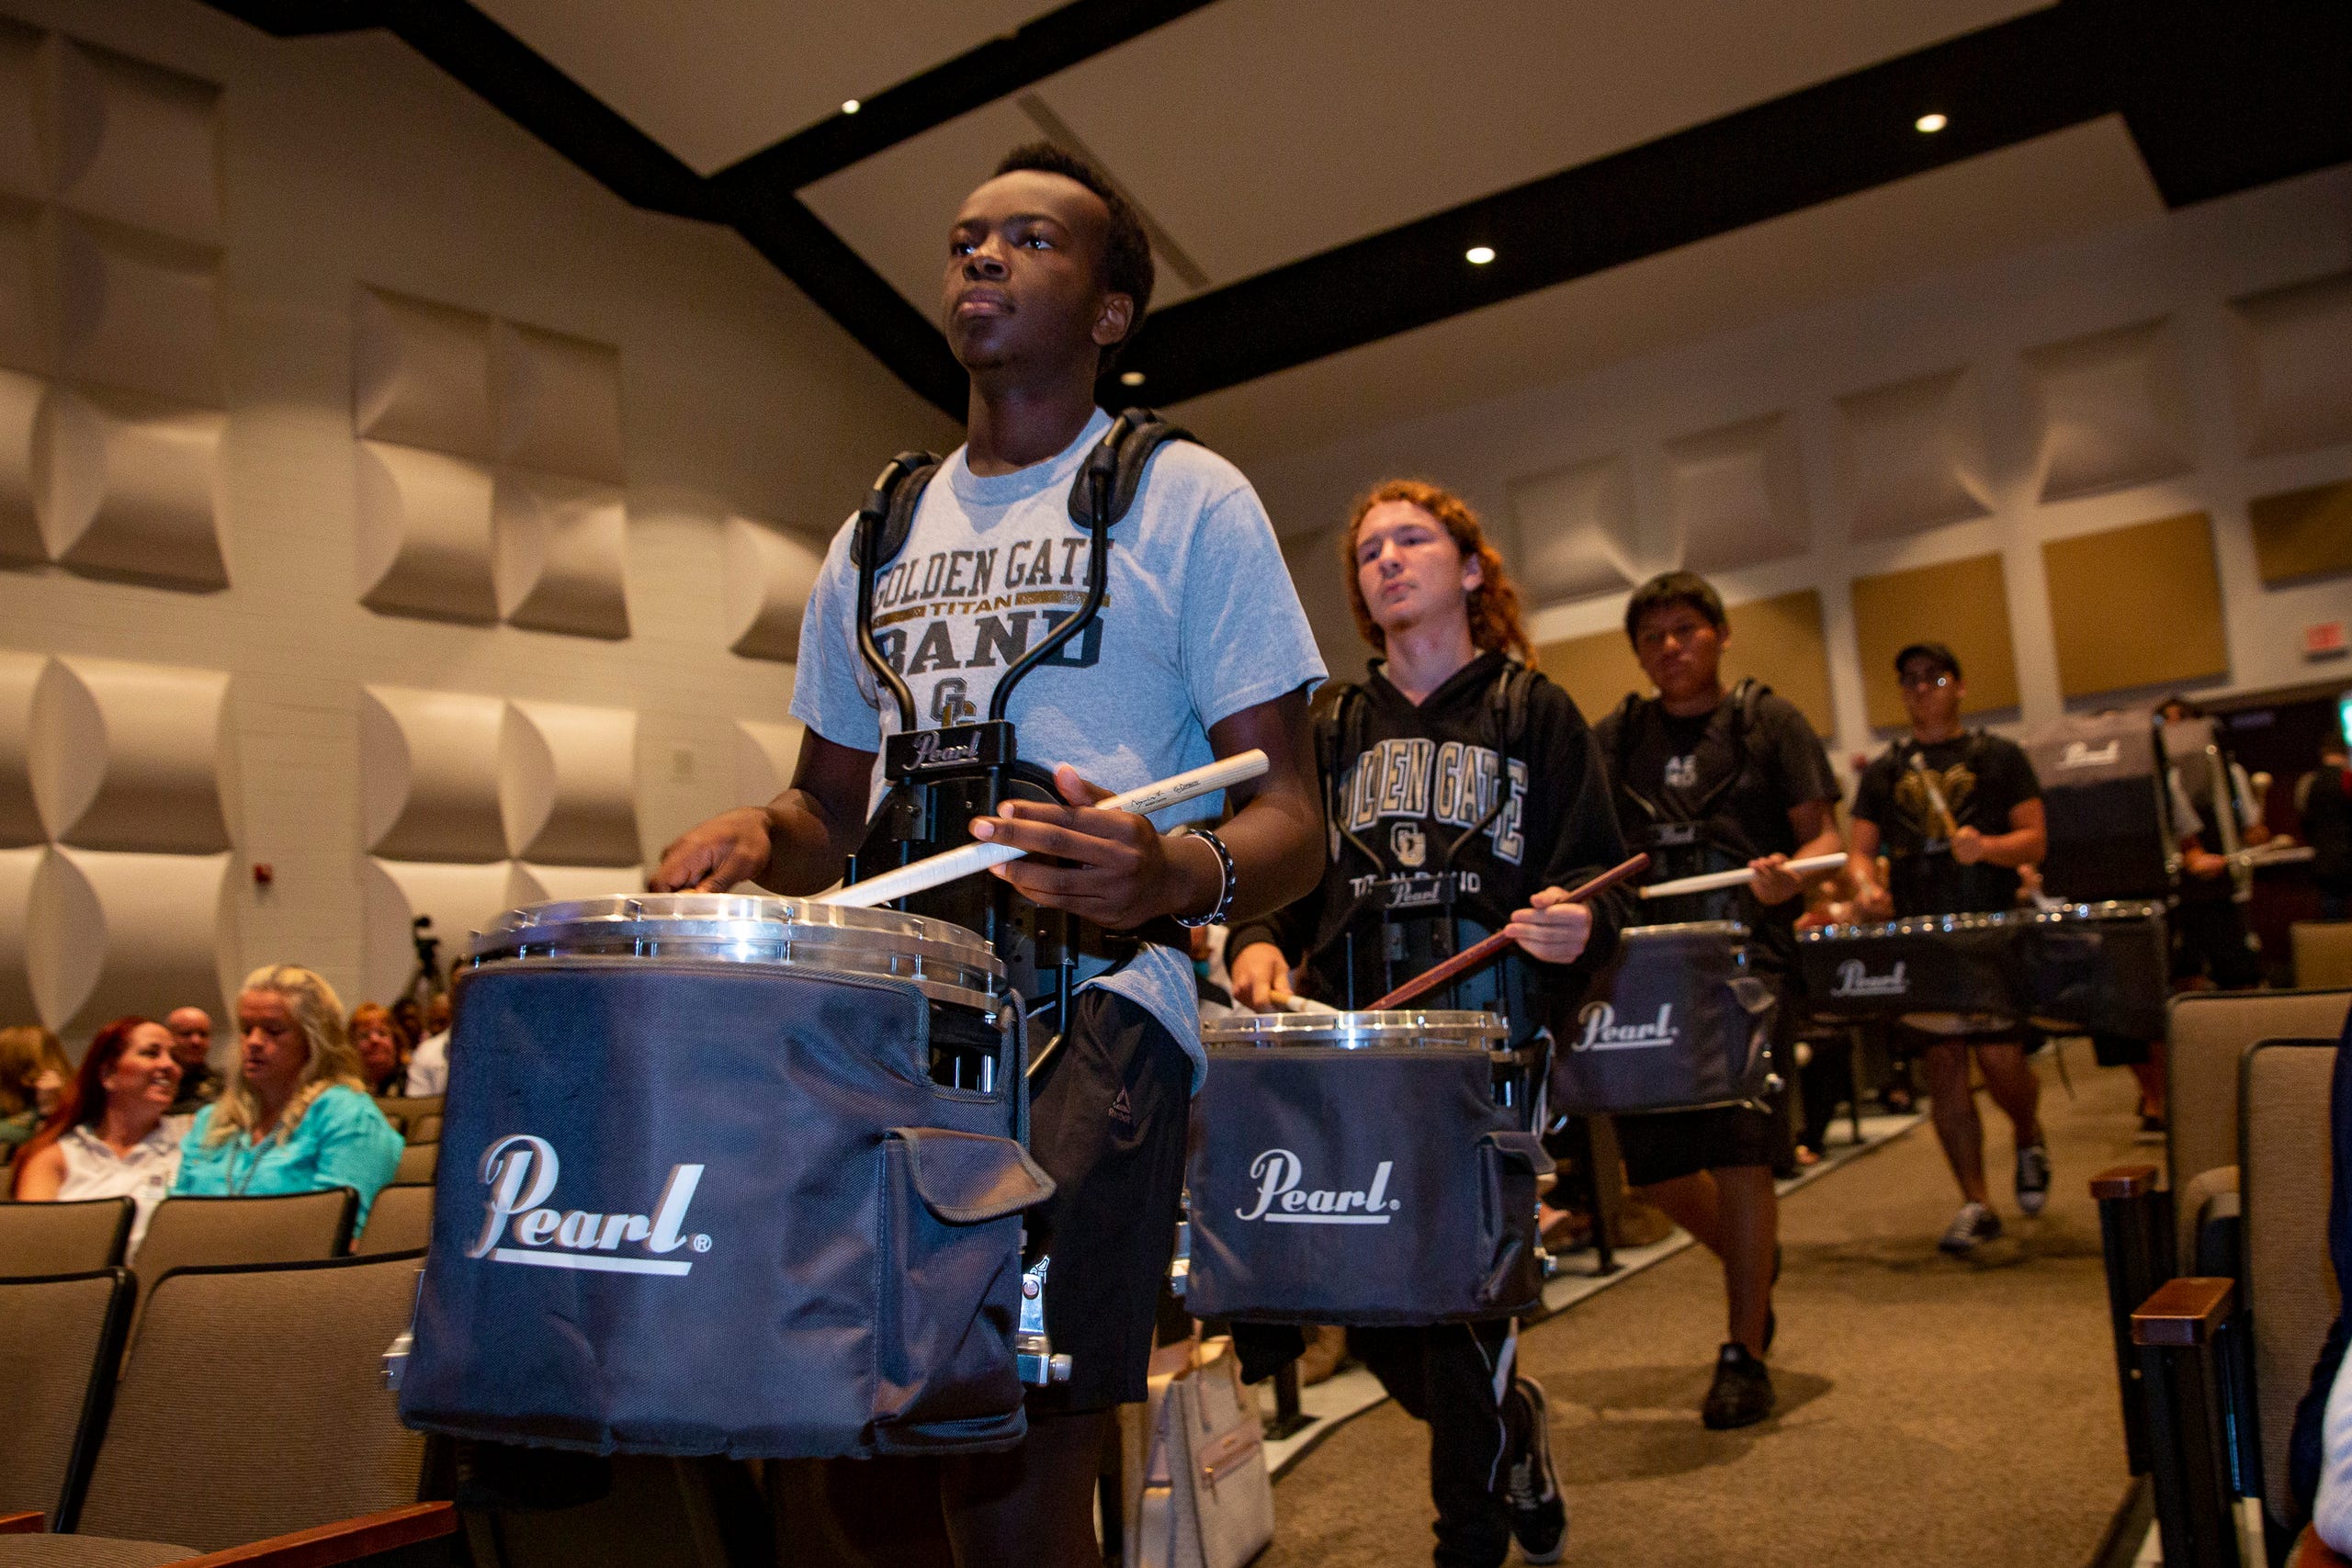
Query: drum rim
{"type": "Point", "coordinates": [1736, 930]}
{"type": "Point", "coordinates": [1922, 925]}
{"type": "Point", "coordinates": [1354, 1031]}
{"type": "Point", "coordinates": [2098, 910]}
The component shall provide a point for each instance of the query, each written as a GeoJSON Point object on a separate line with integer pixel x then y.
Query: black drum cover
{"type": "Point", "coordinates": [1375, 1186]}
{"type": "Point", "coordinates": [2103, 975]}
{"type": "Point", "coordinates": [1675, 1021]}
{"type": "Point", "coordinates": [688, 1207]}
{"type": "Point", "coordinates": [1962, 964]}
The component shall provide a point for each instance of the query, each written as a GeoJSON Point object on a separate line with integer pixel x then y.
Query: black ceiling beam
{"type": "Point", "coordinates": [2222, 99]}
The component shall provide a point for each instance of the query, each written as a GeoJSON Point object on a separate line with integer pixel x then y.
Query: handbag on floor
{"type": "Point", "coordinates": [1206, 1500]}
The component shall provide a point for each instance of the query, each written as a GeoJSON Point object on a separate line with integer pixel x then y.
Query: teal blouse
{"type": "Point", "coordinates": [341, 1141]}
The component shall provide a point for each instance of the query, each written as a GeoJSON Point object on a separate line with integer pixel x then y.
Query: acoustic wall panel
{"type": "Point", "coordinates": [135, 144]}
{"type": "Point", "coordinates": [20, 93]}
{"type": "Point", "coordinates": [2292, 366]}
{"type": "Point", "coordinates": [424, 534]}
{"type": "Point", "coordinates": [20, 535]}
{"type": "Point", "coordinates": [136, 310]}
{"type": "Point", "coordinates": [420, 374]}
{"type": "Point", "coordinates": [20, 821]}
{"type": "Point", "coordinates": [770, 574]}
{"type": "Point", "coordinates": [1736, 494]}
{"type": "Point", "coordinates": [567, 780]}
{"type": "Point", "coordinates": [1597, 668]}
{"type": "Point", "coordinates": [2113, 410]}
{"type": "Point", "coordinates": [24, 323]}
{"type": "Point", "coordinates": [19, 869]}
{"type": "Point", "coordinates": [126, 933]}
{"type": "Point", "coordinates": [558, 402]}
{"type": "Point", "coordinates": [2303, 533]}
{"type": "Point", "coordinates": [428, 774]}
{"type": "Point", "coordinates": [1962, 603]}
{"type": "Point", "coordinates": [766, 752]}
{"type": "Point", "coordinates": [1779, 642]}
{"type": "Point", "coordinates": [559, 553]}
{"type": "Point", "coordinates": [2137, 606]}
{"type": "Point", "coordinates": [1914, 455]}
{"type": "Point", "coordinates": [126, 488]}
{"type": "Point", "coordinates": [128, 756]}
{"type": "Point", "coordinates": [458, 899]}
{"type": "Point", "coordinates": [1578, 531]}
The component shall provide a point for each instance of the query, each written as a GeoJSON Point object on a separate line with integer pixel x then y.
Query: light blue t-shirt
{"type": "Point", "coordinates": [1200, 622]}
{"type": "Point", "coordinates": [341, 1141]}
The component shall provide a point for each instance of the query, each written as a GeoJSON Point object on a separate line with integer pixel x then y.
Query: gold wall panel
{"type": "Point", "coordinates": [2303, 533]}
{"type": "Point", "coordinates": [2136, 606]}
{"type": "Point", "coordinates": [1962, 603]}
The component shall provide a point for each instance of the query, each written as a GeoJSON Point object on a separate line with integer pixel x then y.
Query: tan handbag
{"type": "Point", "coordinates": [1206, 1500]}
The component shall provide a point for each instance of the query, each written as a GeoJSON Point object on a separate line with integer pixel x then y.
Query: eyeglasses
{"type": "Point", "coordinates": [1923, 682]}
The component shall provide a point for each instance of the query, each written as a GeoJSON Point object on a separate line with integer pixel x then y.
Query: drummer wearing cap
{"type": "Point", "coordinates": [1956, 812]}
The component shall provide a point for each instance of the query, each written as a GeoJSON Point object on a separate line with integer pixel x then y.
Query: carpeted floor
{"type": "Point", "coordinates": [1932, 1411]}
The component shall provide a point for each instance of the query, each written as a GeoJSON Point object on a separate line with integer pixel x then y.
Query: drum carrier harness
{"type": "Point", "coordinates": [1698, 839]}
{"type": "Point", "coordinates": [1929, 875]}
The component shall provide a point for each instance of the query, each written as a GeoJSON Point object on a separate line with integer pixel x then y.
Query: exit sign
{"type": "Point", "coordinates": [2323, 639]}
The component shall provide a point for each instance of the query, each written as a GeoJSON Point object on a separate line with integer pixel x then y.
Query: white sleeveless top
{"type": "Point", "coordinates": [143, 1176]}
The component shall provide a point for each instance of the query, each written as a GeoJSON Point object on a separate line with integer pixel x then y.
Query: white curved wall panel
{"type": "Point", "coordinates": [569, 883]}
{"type": "Point", "coordinates": [561, 555]}
{"type": "Point", "coordinates": [137, 312]}
{"type": "Point", "coordinates": [126, 933]}
{"type": "Point", "coordinates": [770, 574]}
{"type": "Point", "coordinates": [20, 810]}
{"type": "Point", "coordinates": [126, 488]}
{"type": "Point", "coordinates": [424, 534]}
{"type": "Point", "coordinates": [420, 374]}
{"type": "Point", "coordinates": [20, 535]}
{"type": "Point", "coordinates": [19, 869]}
{"type": "Point", "coordinates": [136, 144]}
{"type": "Point", "coordinates": [1914, 455]}
{"type": "Point", "coordinates": [1578, 531]}
{"type": "Point", "coordinates": [2114, 411]}
{"type": "Point", "coordinates": [128, 756]}
{"type": "Point", "coordinates": [558, 402]}
{"type": "Point", "coordinates": [567, 784]}
{"type": "Point", "coordinates": [20, 159]}
{"type": "Point", "coordinates": [1736, 494]}
{"type": "Point", "coordinates": [461, 899]}
{"type": "Point", "coordinates": [766, 753]}
{"type": "Point", "coordinates": [23, 332]}
{"type": "Point", "coordinates": [428, 774]}
{"type": "Point", "coordinates": [2292, 365]}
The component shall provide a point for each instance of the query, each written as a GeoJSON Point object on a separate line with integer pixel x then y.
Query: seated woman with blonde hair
{"type": "Point", "coordinates": [295, 1116]}
{"type": "Point", "coordinates": [111, 1135]}
{"type": "Point", "coordinates": [33, 1074]}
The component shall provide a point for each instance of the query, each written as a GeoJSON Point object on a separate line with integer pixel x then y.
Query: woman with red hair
{"type": "Point", "coordinates": [110, 1136]}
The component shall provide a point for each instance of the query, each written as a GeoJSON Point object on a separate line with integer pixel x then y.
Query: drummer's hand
{"type": "Point", "coordinates": [1968, 846]}
{"type": "Point", "coordinates": [1260, 977]}
{"type": "Point", "coordinates": [1874, 903]}
{"type": "Point", "coordinates": [730, 848]}
{"type": "Point", "coordinates": [1774, 883]}
{"type": "Point", "coordinates": [1551, 928]}
{"type": "Point", "coordinates": [2204, 862]}
{"type": "Point", "coordinates": [1116, 871]}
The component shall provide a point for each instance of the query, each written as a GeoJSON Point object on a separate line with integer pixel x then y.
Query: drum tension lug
{"type": "Point", "coordinates": [1034, 1356]}
{"type": "Point", "coordinates": [1180, 1266]}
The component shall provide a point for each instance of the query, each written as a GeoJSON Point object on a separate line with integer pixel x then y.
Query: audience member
{"type": "Point", "coordinates": [383, 1049]}
{"type": "Point", "coordinates": [191, 1030]}
{"type": "Point", "coordinates": [2324, 820]}
{"type": "Point", "coordinates": [113, 1134]}
{"type": "Point", "coordinates": [2319, 1446]}
{"type": "Point", "coordinates": [33, 1076]}
{"type": "Point", "coordinates": [429, 1067]}
{"type": "Point", "coordinates": [410, 1018]}
{"type": "Point", "coordinates": [295, 1115]}
{"type": "Point", "coordinates": [2212, 945]}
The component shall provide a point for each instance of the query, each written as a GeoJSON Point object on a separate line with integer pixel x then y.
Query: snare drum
{"type": "Point", "coordinates": [1939, 973]}
{"type": "Point", "coordinates": [1677, 1020]}
{"type": "Point", "coordinates": [2099, 969]}
{"type": "Point", "coordinates": [1363, 1167]}
{"type": "Point", "coordinates": [727, 1174]}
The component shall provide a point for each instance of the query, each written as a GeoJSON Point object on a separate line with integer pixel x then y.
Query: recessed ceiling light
{"type": "Point", "coordinates": [851, 106]}
{"type": "Point", "coordinates": [1928, 124]}
{"type": "Point", "coordinates": [1479, 255]}
{"type": "Point", "coordinates": [1130, 378]}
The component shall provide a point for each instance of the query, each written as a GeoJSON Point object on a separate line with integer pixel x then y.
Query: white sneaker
{"type": "Point", "coordinates": [2034, 1179]}
{"type": "Point", "coordinates": [1974, 1224]}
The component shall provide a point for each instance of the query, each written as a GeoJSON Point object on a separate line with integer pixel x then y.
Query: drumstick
{"type": "Point", "coordinates": [1935, 796]}
{"type": "Point", "coordinates": [1740, 878]}
{"type": "Point", "coordinates": [1470, 957]}
{"type": "Point", "coordinates": [961, 862]}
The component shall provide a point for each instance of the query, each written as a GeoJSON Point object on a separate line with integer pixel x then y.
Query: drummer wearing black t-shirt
{"type": "Point", "coordinates": [1956, 812]}
{"type": "Point", "coordinates": [1708, 781]}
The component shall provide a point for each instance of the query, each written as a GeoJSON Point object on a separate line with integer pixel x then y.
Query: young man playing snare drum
{"type": "Point", "coordinates": [1201, 650]}
{"type": "Point", "coordinates": [1451, 759]}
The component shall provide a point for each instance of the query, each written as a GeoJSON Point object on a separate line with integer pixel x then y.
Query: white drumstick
{"type": "Point", "coordinates": [1740, 878]}
{"type": "Point", "coordinates": [927, 874]}
{"type": "Point", "coordinates": [1306, 1004]}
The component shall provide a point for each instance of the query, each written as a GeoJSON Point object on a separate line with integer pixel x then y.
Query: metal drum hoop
{"type": "Point", "coordinates": [1429, 1029]}
{"type": "Point", "coordinates": [2108, 909]}
{"type": "Point", "coordinates": [1730, 931]}
{"type": "Point", "coordinates": [1922, 925]}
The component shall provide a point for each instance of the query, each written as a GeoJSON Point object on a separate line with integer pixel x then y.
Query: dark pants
{"type": "Point", "coordinates": [2210, 938]}
{"type": "Point", "coordinates": [1454, 1377]}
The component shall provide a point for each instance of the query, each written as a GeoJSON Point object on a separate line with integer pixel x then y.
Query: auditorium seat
{"type": "Point", "coordinates": [62, 1239]}
{"type": "Point", "coordinates": [402, 1221]}
{"type": "Point", "coordinates": [294, 1228]}
{"type": "Point", "coordinates": [60, 1339]}
{"type": "Point", "coordinates": [405, 1112]}
{"type": "Point", "coordinates": [424, 1129]}
{"type": "Point", "coordinates": [2323, 952]}
{"type": "Point", "coordinates": [417, 1164]}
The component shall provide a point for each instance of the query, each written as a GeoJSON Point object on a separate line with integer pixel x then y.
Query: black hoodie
{"type": "Point", "coordinates": [1413, 782]}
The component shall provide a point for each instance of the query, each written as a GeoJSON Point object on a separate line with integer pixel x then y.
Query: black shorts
{"type": "Point", "coordinates": [1661, 1145]}
{"type": "Point", "coordinates": [2119, 1050]}
{"type": "Point", "coordinates": [1108, 1122]}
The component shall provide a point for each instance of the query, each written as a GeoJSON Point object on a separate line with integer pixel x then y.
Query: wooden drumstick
{"type": "Point", "coordinates": [1470, 957]}
{"type": "Point", "coordinates": [1935, 796]}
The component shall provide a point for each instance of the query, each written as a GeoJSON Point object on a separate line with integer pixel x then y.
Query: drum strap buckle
{"type": "Point", "coordinates": [1033, 1351]}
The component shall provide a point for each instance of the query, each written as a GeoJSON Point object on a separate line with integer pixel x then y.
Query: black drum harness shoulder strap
{"type": "Point", "coordinates": [1691, 841]}
{"type": "Point", "coordinates": [939, 779]}
{"type": "Point", "coordinates": [1964, 883]}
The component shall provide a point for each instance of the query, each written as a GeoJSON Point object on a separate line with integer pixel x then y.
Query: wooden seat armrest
{"type": "Point", "coordinates": [345, 1540]}
{"type": "Point", "coordinates": [30, 1521]}
{"type": "Point", "coordinates": [2312, 1552]}
{"type": "Point", "coordinates": [2124, 1181]}
{"type": "Point", "coordinates": [2184, 1312]}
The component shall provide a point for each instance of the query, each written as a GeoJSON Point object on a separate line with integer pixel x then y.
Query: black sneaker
{"type": "Point", "coordinates": [1539, 1517]}
{"type": "Point", "coordinates": [1742, 1395]}
{"type": "Point", "coordinates": [2034, 1179]}
{"type": "Point", "coordinates": [1974, 1224]}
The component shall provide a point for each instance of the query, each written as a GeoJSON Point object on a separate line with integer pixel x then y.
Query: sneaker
{"type": "Point", "coordinates": [1742, 1395]}
{"type": "Point", "coordinates": [1974, 1223]}
{"type": "Point", "coordinates": [1539, 1517]}
{"type": "Point", "coordinates": [2034, 1179]}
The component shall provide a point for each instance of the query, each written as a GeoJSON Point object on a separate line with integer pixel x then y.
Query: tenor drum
{"type": "Point", "coordinates": [1940, 973]}
{"type": "Point", "coordinates": [726, 1176]}
{"type": "Point", "coordinates": [1677, 1020]}
{"type": "Point", "coordinates": [2097, 968]}
{"type": "Point", "coordinates": [1363, 1168]}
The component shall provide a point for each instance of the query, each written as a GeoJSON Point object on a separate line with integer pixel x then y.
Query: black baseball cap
{"type": "Point", "coordinates": [1935, 650]}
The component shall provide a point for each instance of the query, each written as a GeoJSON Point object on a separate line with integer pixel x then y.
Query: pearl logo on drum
{"type": "Point", "coordinates": [1282, 1202]}
{"type": "Point", "coordinates": [2082, 754]}
{"type": "Point", "coordinates": [1854, 979]}
{"type": "Point", "coordinates": [1604, 1032]}
{"type": "Point", "coordinates": [521, 1170]}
